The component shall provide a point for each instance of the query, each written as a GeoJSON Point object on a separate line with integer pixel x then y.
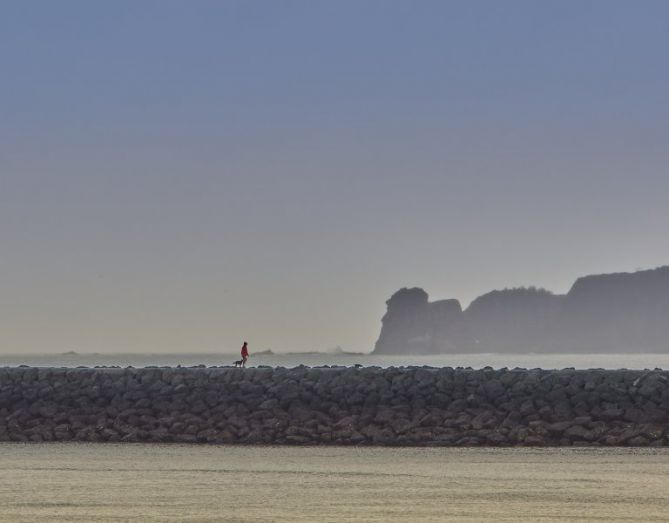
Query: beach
{"type": "Point", "coordinates": [139, 482]}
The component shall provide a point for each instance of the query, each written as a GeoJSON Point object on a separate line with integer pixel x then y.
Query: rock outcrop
{"type": "Point", "coordinates": [625, 312]}
{"type": "Point", "coordinates": [512, 319]}
{"type": "Point", "coordinates": [412, 324]}
{"type": "Point", "coordinates": [337, 406]}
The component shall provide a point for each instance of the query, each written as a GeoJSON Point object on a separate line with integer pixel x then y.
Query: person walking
{"type": "Point", "coordinates": [245, 354]}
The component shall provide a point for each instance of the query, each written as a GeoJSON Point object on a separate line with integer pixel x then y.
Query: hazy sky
{"type": "Point", "coordinates": [180, 176]}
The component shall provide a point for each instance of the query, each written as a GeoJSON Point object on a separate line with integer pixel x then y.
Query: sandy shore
{"type": "Point", "coordinates": [84, 482]}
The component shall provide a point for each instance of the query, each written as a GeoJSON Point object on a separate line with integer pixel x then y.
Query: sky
{"type": "Point", "coordinates": [186, 175]}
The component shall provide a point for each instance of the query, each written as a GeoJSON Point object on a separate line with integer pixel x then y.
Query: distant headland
{"type": "Point", "coordinates": [620, 312]}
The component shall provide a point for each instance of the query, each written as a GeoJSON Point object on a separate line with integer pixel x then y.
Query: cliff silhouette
{"type": "Point", "coordinates": [621, 312]}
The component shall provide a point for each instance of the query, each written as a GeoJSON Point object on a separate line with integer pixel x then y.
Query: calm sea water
{"type": "Point", "coordinates": [106, 482]}
{"type": "Point", "coordinates": [545, 361]}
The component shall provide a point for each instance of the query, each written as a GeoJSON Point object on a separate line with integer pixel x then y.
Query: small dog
{"type": "Point", "coordinates": [239, 363]}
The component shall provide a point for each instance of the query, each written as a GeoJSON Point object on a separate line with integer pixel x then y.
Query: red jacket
{"type": "Point", "coordinates": [245, 351]}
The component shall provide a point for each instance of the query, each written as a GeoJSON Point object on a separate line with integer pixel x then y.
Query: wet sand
{"type": "Point", "coordinates": [106, 482]}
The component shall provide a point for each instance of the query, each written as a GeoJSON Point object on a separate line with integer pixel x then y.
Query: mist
{"type": "Point", "coordinates": [182, 178]}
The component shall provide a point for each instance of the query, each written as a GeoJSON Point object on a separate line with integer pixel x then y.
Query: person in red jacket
{"type": "Point", "coordinates": [245, 354]}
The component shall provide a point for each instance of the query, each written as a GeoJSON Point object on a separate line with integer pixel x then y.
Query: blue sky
{"type": "Point", "coordinates": [182, 175]}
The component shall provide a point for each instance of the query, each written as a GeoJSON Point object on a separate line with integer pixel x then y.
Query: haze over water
{"type": "Point", "coordinates": [544, 361]}
{"type": "Point", "coordinates": [185, 175]}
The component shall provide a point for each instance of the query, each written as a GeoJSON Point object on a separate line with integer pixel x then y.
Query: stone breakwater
{"type": "Point", "coordinates": [340, 406]}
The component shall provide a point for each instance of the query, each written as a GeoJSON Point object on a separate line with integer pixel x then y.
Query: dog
{"type": "Point", "coordinates": [239, 363]}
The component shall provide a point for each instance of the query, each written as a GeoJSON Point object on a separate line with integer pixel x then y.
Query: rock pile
{"type": "Point", "coordinates": [340, 406]}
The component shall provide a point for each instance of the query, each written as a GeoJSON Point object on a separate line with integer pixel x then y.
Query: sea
{"type": "Point", "coordinates": [315, 359]}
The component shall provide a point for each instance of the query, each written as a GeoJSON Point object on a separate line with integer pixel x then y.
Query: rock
{"type": "Point", "coordinates": [634, 415]}
{"type": "Point", "coordinates": [496, 438]}
{"type": "Point", "coordinates": [612, 414]}
{"type": "Point", "coordinates": [511, 320]}
{"type": "Point", "coordinates": [600, 313]}
{"type": "Point", "coordinates": [346, 406]}
{"type": "Point", "coordinates": [558, 428]}
{"type": "Point", "coordinates": [638, 441]}
{"type": "Point", "coordinates": [356, 438]}
{"type": "Point", "coordinates": [577, 432]}
{"type": "Point", "coordinates": [413, 325]}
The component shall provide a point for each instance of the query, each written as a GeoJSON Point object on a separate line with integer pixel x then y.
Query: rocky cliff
{"type": "Point", "coordinates": [621, 312]}
{"type": "Point", "coordinates": [625, 312]}
{"type": "Point", "coordinates": [412, 324]}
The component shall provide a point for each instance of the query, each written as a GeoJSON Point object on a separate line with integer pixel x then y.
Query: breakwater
{"type": "Point", "coordinates": [337, 406]}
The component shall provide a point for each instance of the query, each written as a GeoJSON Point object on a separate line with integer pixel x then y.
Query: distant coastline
{"type": "Point", "coordinates": [606, 313]}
